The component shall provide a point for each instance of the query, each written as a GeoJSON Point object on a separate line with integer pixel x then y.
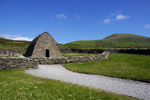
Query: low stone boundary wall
{"type": "Point", "coordinates": [76, 50]}
{"type": "Point", "coordinates": [72, 59]}
{"type": "Point", "coordinates": [11, 52]}
{"type": "Point", "coordinates": [131, 51]}
{"type": "Point", "coordinates": [15, 52]}
{"type": "Point", "coordinates": [17, 63]}
{"type": "Point", "coordinates": [116, 50]}
{"type": "Point", "coordinates": [25, 63]}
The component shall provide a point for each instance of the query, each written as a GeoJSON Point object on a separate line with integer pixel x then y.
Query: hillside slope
{"type": "Point", "coordinates": [113, 41]}
{"type": "Point", "coordinates": [6, 43]}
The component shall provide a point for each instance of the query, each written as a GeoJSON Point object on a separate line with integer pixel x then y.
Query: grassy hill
{"type": "Point", "coordinates": [113, 41]}
{"type": "Point", "coordinates": [6, 43]}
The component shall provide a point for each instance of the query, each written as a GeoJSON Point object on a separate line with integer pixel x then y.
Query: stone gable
{"type": "Point", "coordinates": [43, 46]}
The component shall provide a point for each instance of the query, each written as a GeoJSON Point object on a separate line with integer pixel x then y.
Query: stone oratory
{"type": "Point", "coordinates": [43, 46]}
{"type": "Point", "coordinates": [44, 50]}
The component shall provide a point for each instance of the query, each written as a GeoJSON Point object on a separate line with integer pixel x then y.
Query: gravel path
{"type": "Point", "coordinates": [136, 89]}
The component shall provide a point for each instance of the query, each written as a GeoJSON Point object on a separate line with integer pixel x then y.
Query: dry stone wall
{"type": "Point", "coordinates": [78, 50]}
{"type": "Point", "coordinates": [25, 63]}
{"type": "Point", "coordinates": [14, 52]}
{"type": "Point", "coordinates": [72, 59]}
{"type": "Point", "coordinates": [17, 63]}
{"type": "Point", "coordinates": [11, 52]}
{"type": "Point", "coordinates": [143, 51]}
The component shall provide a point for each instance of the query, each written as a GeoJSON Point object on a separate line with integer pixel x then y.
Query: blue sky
{"type": "Point", "coordinates": [71, 20]}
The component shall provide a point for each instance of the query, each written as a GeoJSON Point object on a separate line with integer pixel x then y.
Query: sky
{"type": "Point", "coordinates": [72, 20]}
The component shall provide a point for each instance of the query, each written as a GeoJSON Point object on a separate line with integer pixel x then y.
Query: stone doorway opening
{"type": "Point", "coordinates": [47, 53]}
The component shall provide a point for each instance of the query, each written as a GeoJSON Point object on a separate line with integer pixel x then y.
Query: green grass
{"type": "Point", "coordinates": [113, 41]}
{"type": "Point", "coordinates": [16, 85]}
{"type": "Point", "coordinates": [7, 44]}
{"type": "Point", "coordinates": [118, 65]}
{"type": "Point", "coordinates": [77, 54]}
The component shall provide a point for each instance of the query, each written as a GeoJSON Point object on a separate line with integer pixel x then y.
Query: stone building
{"type": "Point", "coordinates": [43, 46]}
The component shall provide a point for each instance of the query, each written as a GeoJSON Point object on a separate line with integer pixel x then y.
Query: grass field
{"type": "Point", "coordinates": [77, 54]}
{"type": "Point", "coordinates": [112, 41]}
{"type": "Point", "coordinates": [16, 85]}
{"type": "Point", "coordinates": [9, 44]}
{"type": "Point", "coordinates": [118, 65]}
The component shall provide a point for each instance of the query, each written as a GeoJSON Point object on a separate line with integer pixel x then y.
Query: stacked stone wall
{"type": "Point", "coordinates": [11, 52]}
{"type": "Point", "coordinates": [131, 51]}
{"type": "Point", "coordinates": [17, 63]}
{"type": "Point", "coordinates": [143, 51]}
{"type": "Point", "coordinates": [73, 50]}
{"type": "Point", "coordinates": [43, 45]}
{"type": "Point", "coordinates": [25, 63]}
{"type": "Point", "coordinates": [72, 59]}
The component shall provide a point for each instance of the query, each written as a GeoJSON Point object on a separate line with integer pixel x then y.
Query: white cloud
{"type": "Point", "coordinates": [15, 37]}
{"type": "Point", "coordinates": [23, 38]}
{"type": "Point", "coordinates": [120, 17]}
{"type": "Point", "coordinates": [107, 21]}
{"type": "Point", "coordinates": [61, 16]}
{"type": "Point", "coordinates": [115, 16]}
{"type": "Point", "coordinates": [147, 26]}
{"type": "Point", "coordinates": [8, 36]}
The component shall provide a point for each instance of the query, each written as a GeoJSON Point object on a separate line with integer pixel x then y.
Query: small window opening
{"type": "Point", "coordinates": [47, 53]}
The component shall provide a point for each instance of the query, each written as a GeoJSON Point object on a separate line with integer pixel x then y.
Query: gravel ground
{"type": "Point", "coordinates": [136, 89]}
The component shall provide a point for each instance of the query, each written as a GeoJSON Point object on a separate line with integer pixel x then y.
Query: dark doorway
{"type": "Point", "coordinates": [47, 53]}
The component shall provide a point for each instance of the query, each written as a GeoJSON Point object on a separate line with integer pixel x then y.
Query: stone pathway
{"type": "Point", "coordinates": [136, 89]}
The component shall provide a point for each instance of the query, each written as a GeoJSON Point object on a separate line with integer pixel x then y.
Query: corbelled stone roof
{"type": "Point", "coordinates": [40, 44]}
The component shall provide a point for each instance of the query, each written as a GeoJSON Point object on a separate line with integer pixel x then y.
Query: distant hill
{"type": "Point", "coordinates": [113, 41]}
{"type": "Point", "coordinates": [7, 43]}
